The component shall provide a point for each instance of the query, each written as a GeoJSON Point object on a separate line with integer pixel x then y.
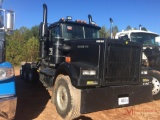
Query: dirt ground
{"type": "Point", "coordinates": [34, 104]}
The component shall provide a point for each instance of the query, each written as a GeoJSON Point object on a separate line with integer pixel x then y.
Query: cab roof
{"type": "Point", "coordinates": [77, 22]}
{"type": "Point", "coordinates": [137, 31]}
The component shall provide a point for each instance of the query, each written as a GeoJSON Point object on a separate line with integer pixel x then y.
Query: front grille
{"type": "Point", "coordinates": [122, 64]}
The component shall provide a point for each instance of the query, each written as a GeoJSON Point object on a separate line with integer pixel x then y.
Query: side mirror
{"type": "Point", "coordinates": [7, 20]}
{"type": "Point", "coordinates": [125, 38]}
{"type": "Point", "coordinates": [10, 20]}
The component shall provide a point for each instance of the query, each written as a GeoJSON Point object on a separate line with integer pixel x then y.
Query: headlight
{"type": "Point", "coordinates": [89, 72]}
{"type": "Point", "coordinates": [144, 72]}
{"type": "Point", "coordinates": [144, 57]}
{"type": "Point", "coordinates": [6, 73]}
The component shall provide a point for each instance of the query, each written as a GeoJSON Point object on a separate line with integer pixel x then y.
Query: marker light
{"type": "Point", "coordinates": [69, 18]}
{"type": "Point", "coordinates": [68, 59]}
{"type": "Point", "coordinates": [62, 19]}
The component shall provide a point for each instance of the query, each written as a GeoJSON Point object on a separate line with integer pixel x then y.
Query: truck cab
{"type": "Point", "coordinates": [147, 38]}
{"type": "Point", "coordinates": [63, 32]}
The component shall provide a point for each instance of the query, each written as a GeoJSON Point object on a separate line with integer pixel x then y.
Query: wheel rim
{"type": "Point", "coordinates": [62, 98]}
{"type": "Point", "coordinates": [156, 86]}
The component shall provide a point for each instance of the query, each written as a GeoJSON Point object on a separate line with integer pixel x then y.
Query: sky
{"type": "Point", "coordinates": [123, 12]}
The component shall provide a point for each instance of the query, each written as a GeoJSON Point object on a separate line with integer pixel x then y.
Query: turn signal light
{"type": "Point", "coordinates": [68, 59]}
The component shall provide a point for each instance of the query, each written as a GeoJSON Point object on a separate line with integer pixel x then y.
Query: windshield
{"type": "Point", "coordinates": [144, 38]}
{"type": "Point", "coordinates": [91, 33]}
{"type": "Point", "coordinates": [78, 31]}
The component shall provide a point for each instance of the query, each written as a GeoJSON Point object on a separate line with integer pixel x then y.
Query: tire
{"type": "Point", "coordinates": [155, 83]}
{"type": "Point", "coordinates": [24, 73]}
{"type": "Point", "coordinates": [21, 73]}
{"type": "Point", "coordinates": [26, 70]}
{"type": "Point", "coordinates": [66, 98]}
{"type": "Point", "coordinates": [33, 75]}
{"type": "Point", "coordinates": [30, 75]}
{"type": "Point", "coordinates": [22, 69]}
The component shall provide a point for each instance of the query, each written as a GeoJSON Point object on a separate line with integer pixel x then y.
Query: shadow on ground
{"type": "Point", "coordinates": [83, 118]}
{"type": "Point", "coordinates": [32, 99]}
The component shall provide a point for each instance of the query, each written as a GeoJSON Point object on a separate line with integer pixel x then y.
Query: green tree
{"type": "Point", "coordinates": [32, 49]}
{"type": "Point", "coordinates": [35, 31]}
{"type": "Point", "coordinates": [14, 47]}
{"type": "Point", "coordinates": [135, 28]}
{"type": "Point", "coordinates": [128, 27]}
{"type": "Point", "coordinates": [115, 30]}
{"type": "Point", "coordinates": [143, 28]}
{"type": "Point", "coordinates": [26, 33]}
{"type": "Point", "coordinates": [104, 32]}
{"type": "Point", "coordinates": [22, 45]}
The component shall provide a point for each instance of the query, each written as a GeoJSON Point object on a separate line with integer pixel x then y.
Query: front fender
{"type": "Point", "coordinates": [70, 69]}
{"type": "Point", "coordinates": [74, 71]}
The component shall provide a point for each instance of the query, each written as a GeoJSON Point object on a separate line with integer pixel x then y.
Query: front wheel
{"type": "Point", "coordinates": [155, 83]}
{"type": "Point", "coordinates": [66, 98]}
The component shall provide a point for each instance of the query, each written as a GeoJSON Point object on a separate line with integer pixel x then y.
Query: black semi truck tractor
{"type": "Point", "coordinates": [84, 72]}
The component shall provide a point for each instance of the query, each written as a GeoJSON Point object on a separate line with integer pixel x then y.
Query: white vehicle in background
{"type": "Point", "coordinates": [151, 51]}
{"type": "Point", "coordinates": [147, 38]}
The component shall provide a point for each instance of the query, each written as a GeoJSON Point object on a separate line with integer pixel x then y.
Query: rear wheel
{"type": "Point", "coordinates": [24, 75]}
{"type": "Point", "coordinates": [66, 98]}
{"type": "Point", "coordinates": [21, 73]}
{"type": "Point", "coordinates": [33, 75]}
{"type": "Point", "coordinates": [30, 75]}
{"type": "Point", "coordinates": [155, 83]}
